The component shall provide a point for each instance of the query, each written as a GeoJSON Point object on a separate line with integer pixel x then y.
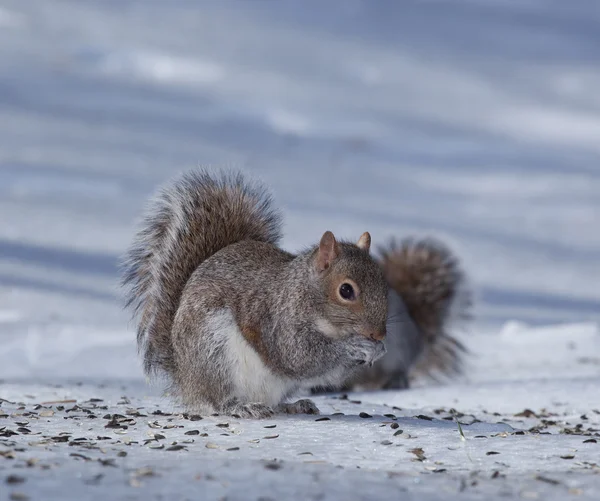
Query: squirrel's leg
{"type": "Point", "coordinates": [304, 406]}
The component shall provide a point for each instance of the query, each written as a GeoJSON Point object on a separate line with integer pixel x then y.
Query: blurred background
{"type": "Point", "coordinates": [475, 121]}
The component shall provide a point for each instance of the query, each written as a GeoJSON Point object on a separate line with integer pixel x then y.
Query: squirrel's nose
{"type": "Point", "coordinates": [377, 335]}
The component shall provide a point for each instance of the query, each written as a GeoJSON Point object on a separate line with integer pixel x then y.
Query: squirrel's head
{"type": "Point", "coordinates": [354, 289]}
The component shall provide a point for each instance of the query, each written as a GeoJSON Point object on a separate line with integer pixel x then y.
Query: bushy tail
{"type": "Point", "coordinates": [190, 220]}
{"type": "Point", "coordinates": [429, 278]}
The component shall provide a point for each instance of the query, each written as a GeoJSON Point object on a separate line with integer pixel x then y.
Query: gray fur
{"type": "Point", "coordinates": [188, 222]}
{"type": "Point", "coordinates": [237, 324]}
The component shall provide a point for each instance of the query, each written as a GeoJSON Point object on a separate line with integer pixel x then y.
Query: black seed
{"type": "Point", "coordinates": [175, 448]}
{"type": "Point", "coordinates": [14, 479]}
{"type": "Point", "coordinates": [364, 415]}
{"type": "Point", "coordinates": [547, 480]}
{"type": "Point", "coordinates": [426, 418]}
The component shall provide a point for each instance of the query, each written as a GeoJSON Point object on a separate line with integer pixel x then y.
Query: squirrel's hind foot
{"type": "Point", "coordinates": [253, 410]}
{"type": "Point", "coordinates": [303, 406]}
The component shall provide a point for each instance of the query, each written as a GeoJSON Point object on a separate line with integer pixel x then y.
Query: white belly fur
{"type": "Point", "coordinates": [252, 380]}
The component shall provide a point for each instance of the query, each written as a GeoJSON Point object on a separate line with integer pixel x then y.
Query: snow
{"type": "Point", "coordinates": [475, 121]}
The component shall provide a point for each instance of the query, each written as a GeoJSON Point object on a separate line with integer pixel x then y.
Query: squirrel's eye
{"type": "Point", "coordinates": [347, 291]}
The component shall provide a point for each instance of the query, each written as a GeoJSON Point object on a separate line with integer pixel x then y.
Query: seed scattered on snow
{"type": "Point", "coordinates": [144, 472]}
{"type": "Point", "coordinates": [233, 449]}
{"type": "Point", "coordinates": [569, 456]}
{"type": "Point", "coordinates": [386, 442]}
{"type": "Point", "coordinates": [271, 426]}
{"type": "Point", "coordinates": [15, 479]}
{"type": "Point", "coordinates": [223, 425]}
{"type": "Point", "coordinates": [547, 480]}
{"type": "Point", "coordinates": [210, 445]}
{"type": "Point", "coordinates": [192, 432]}
{"type": "Point", "coordinates": [491, 453]}
{"type": "Point", "coordinates": [271, 436]}
{"type": "Point", "coordinates": [176, 448]}
{"type": "Point", "coordinates": [19, 496]}
{"type": "Point", "coordinates": [323, 419]}
{"type": "Point", "coordinates": [590, 441]}
{"type": "Point", "coordinates": [62, 438]}
{"type": "Point", "coordinates": [364, 415]}
{"type": "Point", "coordinates": [419, 453]}
{"type": "Point", "coordinates": [399, 432]}
{"type": "Point", "coordinates": [158, 412]}
{"type": "Point", "coordinates": [394, 426]}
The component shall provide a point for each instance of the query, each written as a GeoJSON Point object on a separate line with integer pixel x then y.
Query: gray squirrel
{"type": "Point", "coordinates": [238, 326]}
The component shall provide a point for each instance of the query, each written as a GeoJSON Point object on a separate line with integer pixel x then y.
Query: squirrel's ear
{"type": "Point", "coordinates": [364, 242]}
{"type": "Point", "coordinates": [328, 251]}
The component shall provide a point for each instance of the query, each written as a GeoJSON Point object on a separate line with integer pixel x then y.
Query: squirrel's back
{"type": "Point", "coordinates": [190, 220]}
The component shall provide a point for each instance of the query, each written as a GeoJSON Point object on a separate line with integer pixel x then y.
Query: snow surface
{"type": "Point", "coordinates": [478, 122]}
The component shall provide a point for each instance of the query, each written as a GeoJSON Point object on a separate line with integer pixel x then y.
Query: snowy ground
{"type": "Point", "coordinates": [475, 121]}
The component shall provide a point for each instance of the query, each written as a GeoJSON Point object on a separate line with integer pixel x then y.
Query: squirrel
{"type": "Point", "coordinates": [237, 324]}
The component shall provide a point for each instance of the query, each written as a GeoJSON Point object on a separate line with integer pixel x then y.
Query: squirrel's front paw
{"type": "Point", "coordinates": [364, 352]}
{"type": "Point", "coordinates": [304, 406]}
